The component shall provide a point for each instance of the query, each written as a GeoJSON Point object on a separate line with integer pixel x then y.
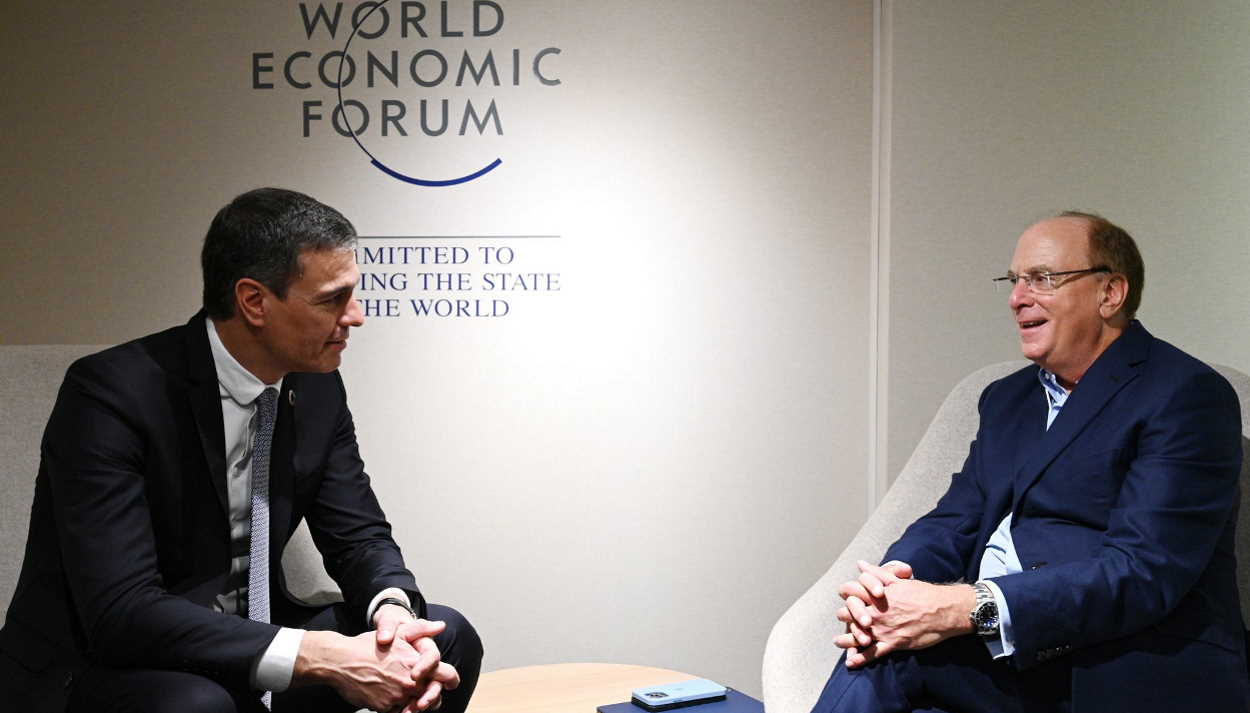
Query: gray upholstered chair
{"type": "Point", "coordinates": [800, 653]}
{"type": "Point", "coordinates": [29, 378]}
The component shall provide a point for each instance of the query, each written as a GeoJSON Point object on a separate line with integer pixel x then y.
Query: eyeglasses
{"type": "Point", "coordinates": [1042, 283]}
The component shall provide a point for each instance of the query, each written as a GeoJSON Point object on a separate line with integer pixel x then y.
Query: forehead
{"type": "Point", "coordinates": [1055, 244]}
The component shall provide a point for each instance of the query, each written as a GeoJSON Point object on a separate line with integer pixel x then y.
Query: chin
{"type": "Point", "coordinates": [331, 364]}
{"type": "Point", "coordinates": [1032, 352]}
{"type": "Point", "coordinates": [322, 365]}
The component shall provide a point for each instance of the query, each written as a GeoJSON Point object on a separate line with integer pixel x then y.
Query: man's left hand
{"type": "Point", "coordinates": [910, 615]}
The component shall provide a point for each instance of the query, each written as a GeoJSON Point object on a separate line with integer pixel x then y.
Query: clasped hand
{"type": "Point", "coordinates": [396, 667]}
{"type": "Point", "coordinates": [885, 610]}
{"type": "Point", "coordinates": [406, 646]}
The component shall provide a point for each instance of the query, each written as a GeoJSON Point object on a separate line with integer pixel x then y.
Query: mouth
{"type": "Point", "coordinates": [1027, 325]}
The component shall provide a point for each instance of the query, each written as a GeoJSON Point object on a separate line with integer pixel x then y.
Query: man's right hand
{"type": "Point", "coordinates": [364, 673]}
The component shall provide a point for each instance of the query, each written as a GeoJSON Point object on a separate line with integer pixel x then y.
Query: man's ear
{"type": "Point", "coordinates": [1114, 294]}
{"type": "Point", "coordinates": [249, 300]}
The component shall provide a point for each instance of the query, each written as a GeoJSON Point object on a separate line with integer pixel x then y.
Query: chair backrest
{"type": "Point", "coordinates": [30, 376]}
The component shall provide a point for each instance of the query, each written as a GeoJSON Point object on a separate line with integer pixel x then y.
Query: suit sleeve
{"type": "Point", "coordinates": [349, 527]}
{"type": "Point", "coordinates": [940, 544]}
{"type": "Point", "coordinates": [94, 451]}
{"type": "Point", "coordinates": [1172, 510]}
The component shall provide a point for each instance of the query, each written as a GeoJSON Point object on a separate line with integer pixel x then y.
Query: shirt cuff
{"type": "Point", "coordinates": [384, 594]}
{"type": "Point", "coordinates": [1002, 646]}
{"type": "Point", "coordinates": [273, 669]}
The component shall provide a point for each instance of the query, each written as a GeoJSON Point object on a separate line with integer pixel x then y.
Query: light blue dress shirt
{"type": "Point", "coordinates": [1000, 552]}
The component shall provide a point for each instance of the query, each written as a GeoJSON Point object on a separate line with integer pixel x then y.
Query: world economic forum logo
{"type": "Point", "coordinates": [392, 58]}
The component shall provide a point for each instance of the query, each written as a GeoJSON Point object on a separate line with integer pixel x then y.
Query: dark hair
{"type": "Point", "coordinates": [1112, 246]}
{"type": "Point", "coordinates": [261, 235]}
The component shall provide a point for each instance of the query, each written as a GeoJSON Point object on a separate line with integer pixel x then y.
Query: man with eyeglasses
{"type": "Point", "coordinates": [1083, 559]}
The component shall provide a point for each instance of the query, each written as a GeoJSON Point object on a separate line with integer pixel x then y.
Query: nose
{"type": "Point", "coordinates": [353, 316]}
{"type": "Point", "coordinates": [1021, 296]}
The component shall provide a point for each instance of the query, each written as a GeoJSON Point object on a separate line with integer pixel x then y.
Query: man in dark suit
{"type": "Point", "coordinates": [1083, 559]}
{"type": "Point", "coordinates": [174, 469]}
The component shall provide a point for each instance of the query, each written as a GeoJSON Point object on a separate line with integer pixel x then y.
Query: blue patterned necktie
{"type": "Point", "coordinates": [258, 557]}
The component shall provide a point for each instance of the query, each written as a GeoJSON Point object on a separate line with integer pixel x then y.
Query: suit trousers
{"type": "Point", "coordinates": [103, 690]}
{"type": "Point", "coordinates": [955, 676]}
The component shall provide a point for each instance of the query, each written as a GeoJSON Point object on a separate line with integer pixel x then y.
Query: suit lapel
{"type": "Point", "coordinates": [1112, 371]}
{"type": "Point", "coordinates": [1031, 424]}
{"type": "Point", "coordinates": [205, 398]}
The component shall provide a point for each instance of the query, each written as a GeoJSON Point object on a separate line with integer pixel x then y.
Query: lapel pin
{"type": "Point", "coordinates": [290, 397]}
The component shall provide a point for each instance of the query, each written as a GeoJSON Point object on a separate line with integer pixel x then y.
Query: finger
{"type": "Point", "coordinates": [385, 632]}
{"type": "Point", "coordinates": [859, 613]}
{"type": "Point", "coordinates": [866, 655]}
{"type": "Point", "coordinates": [447, 675]}
{"type": "Point", "coordinates": [875, 579]}
{"type": "Point", "coordinates": [423, 671]}
{"type": "Point", "coordinates": [853, 628]}
{"type": "Point", "coordinates": [428, 660]}
{"type": "Point", "coordinates": [427, 647]}
{"type": "Point", "coordinates": [420, 628]}
{"type": "Point", "coordinates": [845, 641]}
{"type": "Point", "coordinates": [852, 640]}
{"type": "Point", "coordinates": [883, 575]}
{"type": "Point", "coordinates": [872, 585]}
{"type": "Point", "coordinates": [853, 589]}
{"type": "Point", "coordinates": [902, 570]}
{"type": "Point", "coordinates": [863, 637]}
{"type": "Point", "coordinates": [430, 697]}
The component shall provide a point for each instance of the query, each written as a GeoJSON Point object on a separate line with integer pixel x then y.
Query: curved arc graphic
{"type": "Point", "coordinates": [338, 88]}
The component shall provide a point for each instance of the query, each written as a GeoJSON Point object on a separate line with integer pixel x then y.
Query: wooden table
{"type": "Point", "coordinates": [564, 687]}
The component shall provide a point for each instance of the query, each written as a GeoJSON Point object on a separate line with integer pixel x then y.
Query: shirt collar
{"type": "Point", "coordinates": [235, 382]}
{"type": "Point", "coordinates": [1055, 393]}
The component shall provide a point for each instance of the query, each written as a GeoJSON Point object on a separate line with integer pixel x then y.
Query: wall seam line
{"type": "Point", "coordinates": [879, 298]}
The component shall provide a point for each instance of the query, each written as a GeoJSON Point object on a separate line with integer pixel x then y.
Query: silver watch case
{"type": "Point", "coordinates": [984, 614]}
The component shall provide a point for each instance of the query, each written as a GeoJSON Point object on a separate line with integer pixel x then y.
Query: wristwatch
{"type": "Point", "coordinates": [984, 614]}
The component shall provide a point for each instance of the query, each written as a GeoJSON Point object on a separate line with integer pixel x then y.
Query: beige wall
{"type": "Point", "coordinates": [647, 466]}
{"type": "Point", "coordinates": [1006, 112]}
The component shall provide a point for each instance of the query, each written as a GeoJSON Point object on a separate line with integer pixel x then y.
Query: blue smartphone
{"type": "Point", "coordinates": [677, 695]}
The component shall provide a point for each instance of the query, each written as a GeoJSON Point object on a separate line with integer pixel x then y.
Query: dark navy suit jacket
{"type": "Point", "coordinates": [130, 538]}
{"type": "Point", "coordinates": [1123, 517]}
